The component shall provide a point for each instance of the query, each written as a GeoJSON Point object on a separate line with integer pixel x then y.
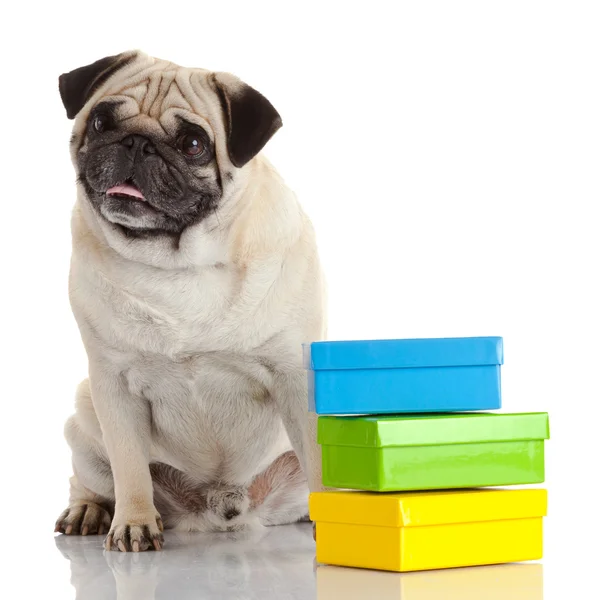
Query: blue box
{"type": "Point", "coordinates": [397, 376]}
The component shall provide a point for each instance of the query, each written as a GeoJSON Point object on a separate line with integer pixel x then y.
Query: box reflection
{"type": "Point", "coordinates": [498, 582]}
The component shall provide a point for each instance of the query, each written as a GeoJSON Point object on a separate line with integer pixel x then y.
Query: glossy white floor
{"type": "Point", "coordinates": [277, 563]}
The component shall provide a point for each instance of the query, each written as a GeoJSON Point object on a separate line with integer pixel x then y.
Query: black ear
{"type": "Point", "coordinates": [250, 119]}
{"type": "Point", "coordinates": [76, 87]}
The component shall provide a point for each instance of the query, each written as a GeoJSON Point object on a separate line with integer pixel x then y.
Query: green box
{"type": "Point", "coordinates": [441, 451]}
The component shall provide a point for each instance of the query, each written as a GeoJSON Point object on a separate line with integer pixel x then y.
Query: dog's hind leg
{"type": "Point", "coordinates": [279, 495]}
{"type": "Point", "coordinates": [91, 499]}
{"type": "Point", "coordinates": [87, 514]}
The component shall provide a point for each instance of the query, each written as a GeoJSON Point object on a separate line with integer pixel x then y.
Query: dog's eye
{"type": "Point", "coordinates": [192, 145]}
{"type": "Point", "coordinates": [101, 123]}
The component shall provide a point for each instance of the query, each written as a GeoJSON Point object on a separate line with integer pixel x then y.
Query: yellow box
{"type": "Point", "coordinates": [415, 531]}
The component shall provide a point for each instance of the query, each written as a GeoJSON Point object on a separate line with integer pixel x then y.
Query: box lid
{"type": "Point", "coordinates": [431, 429]}
{"type": "Point", "coordinates": [417, 509]}
{"type": "Point", "coordinates": [394, 354]}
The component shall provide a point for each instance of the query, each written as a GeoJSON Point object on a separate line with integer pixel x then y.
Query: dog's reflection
{"type": "Point", "coordinates": [275, 562]}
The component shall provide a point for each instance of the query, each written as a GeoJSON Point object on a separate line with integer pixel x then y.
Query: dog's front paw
{"type": "Point", "coordinates": [228, 503]}
{"type": "Point", "coordinates": [135, 534]}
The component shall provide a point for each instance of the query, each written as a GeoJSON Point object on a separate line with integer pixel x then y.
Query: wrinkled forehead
{"type": "Point", "coordinates": [161, 95]}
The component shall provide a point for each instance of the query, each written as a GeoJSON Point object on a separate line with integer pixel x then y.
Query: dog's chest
{"type": "Point", "coordinates": [180, 340]}
{"type": "Point", "coordinates": [212, 414]}
{"type": "Point", "coordinates": [150, 311]}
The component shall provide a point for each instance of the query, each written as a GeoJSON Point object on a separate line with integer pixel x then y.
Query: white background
{"type": "Point", "coordinates": [448, 154]}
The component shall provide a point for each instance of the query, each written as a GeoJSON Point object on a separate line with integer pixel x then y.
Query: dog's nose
{"type": "Point", "coordinates": [138, 144]}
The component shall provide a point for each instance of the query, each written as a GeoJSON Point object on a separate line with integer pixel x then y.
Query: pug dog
{"type": "Point", "coordinates": [194, 281]}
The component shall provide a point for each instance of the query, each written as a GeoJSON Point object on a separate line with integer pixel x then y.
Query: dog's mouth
{"type": "Point", "coordinates": [125, 205]}
{"type": "Point", "coordinates": [125, 191]}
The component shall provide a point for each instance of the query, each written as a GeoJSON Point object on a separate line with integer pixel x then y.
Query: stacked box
{"type": "Point", "coordinates": [401, 434]}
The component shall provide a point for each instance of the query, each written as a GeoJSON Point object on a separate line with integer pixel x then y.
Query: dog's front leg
{"type": "Point", "coordinates": [291, 397]}
{"type": "Point", "coordinates": [126, 430]}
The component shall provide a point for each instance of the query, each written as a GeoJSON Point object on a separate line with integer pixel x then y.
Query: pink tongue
{"type": "Point", "coordinates": [126, 189]}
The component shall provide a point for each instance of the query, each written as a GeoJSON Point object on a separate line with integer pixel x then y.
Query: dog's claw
{"type": "Point", "coordinates": [135, 535]}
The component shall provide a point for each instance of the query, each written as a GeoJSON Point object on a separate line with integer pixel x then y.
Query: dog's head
{"type": "Point", "coordinates": [155, 145]}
